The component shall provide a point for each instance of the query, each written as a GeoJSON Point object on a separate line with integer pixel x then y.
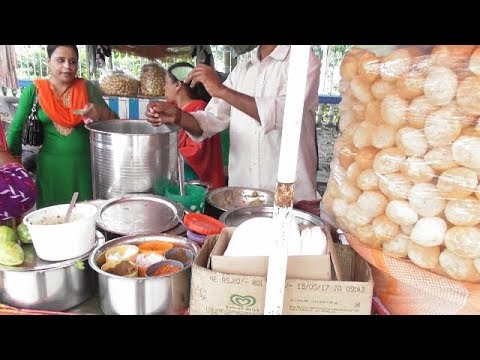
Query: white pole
{"type": "Point", "coordinates": [287, 166]}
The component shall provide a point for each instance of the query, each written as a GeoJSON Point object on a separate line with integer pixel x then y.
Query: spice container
{"type": "Point", "coordinates": [164, 268]}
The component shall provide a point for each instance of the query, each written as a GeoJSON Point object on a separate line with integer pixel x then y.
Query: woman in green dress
{"type": "Point", "coordinates": [63, 163]}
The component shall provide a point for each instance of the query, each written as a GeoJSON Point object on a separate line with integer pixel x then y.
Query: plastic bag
{"type": "Point", "coordinates": [152, 80]}
{"type": "Point", "coordinates": [405, 173]}
{"type": "Point", "coordinates": [118, 83]}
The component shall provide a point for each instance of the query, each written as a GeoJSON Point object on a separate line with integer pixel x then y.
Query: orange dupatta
{"type": "Point", "coordinates": [55, 108]}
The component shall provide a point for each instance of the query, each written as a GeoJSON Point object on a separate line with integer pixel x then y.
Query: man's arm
{"type": "Point", "coordinates": [208, 77]}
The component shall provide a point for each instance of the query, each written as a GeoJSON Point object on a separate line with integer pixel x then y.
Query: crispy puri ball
{"type": "Point", "coordinates": [366, 235]}
{"type": "Point", "coordinates": [401, 212]}
{"type": "Point", "coordinates": [346, 155]}
{"type": "Point", "coordinates": [367, 180]}
{"type": "Point", "coordinates": [426, 199]}
{"type": "Point", "coordinates": [417, 170]}
{"type": "Point", "coordinates": [382, 88]}
{"type": "Point", "coordinates": [365, 157]}
{"type": "Point", "coordinates": [458, 267]}
{"type": "Point", "coordinates": [384, 136]}
{"type": "Point", "coordinates": [357, 216]}
{"type": "Point", "coordinates": [463, 212]}
{"type": "Point", "coordinates": [418, 111]}
{"type": "Point", "coordinates": [429, 231]}
{"type": "Point", "coordinates": [384, 229]}
{"type": "Point", "coordinates": [345, 119]}
{"type": "Point", "coordinates": [463, 241]}
{"type": "Point", "coordinates": [327, 200]}
{"type": "Point", "coordinates": [440, 85]}
{"type": "Point", "coordinates": [476, 262]}
{"type": "Point", "coordinates": [394, 110]}
{"type": "Point", "coordinates": [466, 151]}
{"type": "Point", "coordinates": [474, 64]}
{"type": "Point", "coordinates": [339, 207]}
{"type": "Point", "coordinates": [468, 95]}
{"type": "Point", "coordinates": [442, 127]}
{"type": "Point", "coordinates": [373, 113]}
{"type": "Point", "coordinates": [397, 247]}
{"type": "Point", "coordinates": [450, 55]}
{"type": "Point", "coordinates": [363, 136]}
{"type": "Point", "coordinates": [372, 203]}
{"type": "Point", "coordinates": [411, 141]}
{"type": "Point", "coordinates": [407, 229]}
{"type": "Point", "coordinates": [425, 257]}
{"type": "Point", "coordinates": [457, 183]}
{"type": "Point", "coordinates": [410, 86]}
{"type": "Point", "coordinates": [440, 158]}
{"type": "Point", "coordinates": [395, 186]}
{"type": "Point", "coordinates": [388, 161]}
{"type": "Point", "coordinates": [359, 111]}
{"type": "Point", "coordinates": [455, 57]}
{"type": "Point", "coordinates": [471, 131]}
{"type": "Point", "coordinates": [332, 188]}
{"type": "Point", "coordinates": [348, 67]}
{"type": "Point", "coordinates": [368, 66]}
{"type": "Point", "coordinates": [360, 88]}
{"type": "Point", "coordinates": [343, 87]}
{"type": "Point", "coordinates": [347, 134]}
{"type": "Point", "coordinates": [352, 173]}
{"type": "Point", "coordinates": [349, 192]}
{"type": "Point", "coordinates": [397, 63]}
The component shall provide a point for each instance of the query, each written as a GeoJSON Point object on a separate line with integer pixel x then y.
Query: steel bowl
{"type": "Point", "coordinates": [235, 217]}
{"type": "Point", "coordinates": [228, 198]}
{"type": "Point", "coordinates": [44, 285]}
{"type": "Point", "coordinates": [141, 295]}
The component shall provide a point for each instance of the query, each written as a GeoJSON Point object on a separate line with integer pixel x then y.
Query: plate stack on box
{"type": "Point", "coordinates": [404, 181]}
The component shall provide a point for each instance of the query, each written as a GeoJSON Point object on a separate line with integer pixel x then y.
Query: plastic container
{"type": "Point", "coordinates": [152, 80]}
{"type": "Point", "coordinates": [193, 199]}
{"type": "Point", "coordinates": [118, 83]}
{"type": "Point", "coordinates": [55, 241]}
{"type": "Point", "coordinates": [198, 238]}
{"type": "Point", "coordinates": [202, 224]}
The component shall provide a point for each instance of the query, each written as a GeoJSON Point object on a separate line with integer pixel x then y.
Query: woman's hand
{"type": "Point", "coordinates": [159, 113]}
{"type": "Point", "coordinates": [208, 77]}
{"type": "Point", "coordinates": [93, 112]}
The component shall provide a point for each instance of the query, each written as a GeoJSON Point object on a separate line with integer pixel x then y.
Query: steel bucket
{"type": "Point", "coordinates": [131, 156]}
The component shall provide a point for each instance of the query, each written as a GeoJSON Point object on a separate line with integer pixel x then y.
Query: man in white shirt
{"type": "Point", "coordinates": [251, 102]}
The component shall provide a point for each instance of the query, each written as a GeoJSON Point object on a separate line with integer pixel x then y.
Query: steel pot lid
{"type": "Point", "coordinates": [33, 263]}
{"type": "Point", "coordinates": [228, 198]}
{"type": "Point", "coordinates": [235, 217]}
{"type": "Point", "coordinates": [139, 213]}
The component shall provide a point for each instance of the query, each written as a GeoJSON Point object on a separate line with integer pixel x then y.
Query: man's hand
{"type": "Point", "coordinates": [208, 77]}
{"type": "Point", "coordinates": [159, 113]}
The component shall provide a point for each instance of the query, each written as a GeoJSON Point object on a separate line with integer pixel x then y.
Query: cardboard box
{"type": "Point", "coordinates": [223, 292]}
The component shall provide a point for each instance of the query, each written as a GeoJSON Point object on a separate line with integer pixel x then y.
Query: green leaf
{"type": "Point", "coordinates": [79, 265]}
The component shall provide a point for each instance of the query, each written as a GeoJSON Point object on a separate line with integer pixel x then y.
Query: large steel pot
{"type": "Point", "coordinates": [131, 156]}
{"type": "Point", "coordinates": [141, 295]}
{"type": "Point", "coordinates": [45, 285]}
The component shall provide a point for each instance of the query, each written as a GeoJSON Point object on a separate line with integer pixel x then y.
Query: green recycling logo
{"type": "Point", "coordinates": [243, 300]}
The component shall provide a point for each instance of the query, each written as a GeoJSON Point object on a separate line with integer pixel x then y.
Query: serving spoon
{"type": "Point", "coordinates": [70, 208]}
